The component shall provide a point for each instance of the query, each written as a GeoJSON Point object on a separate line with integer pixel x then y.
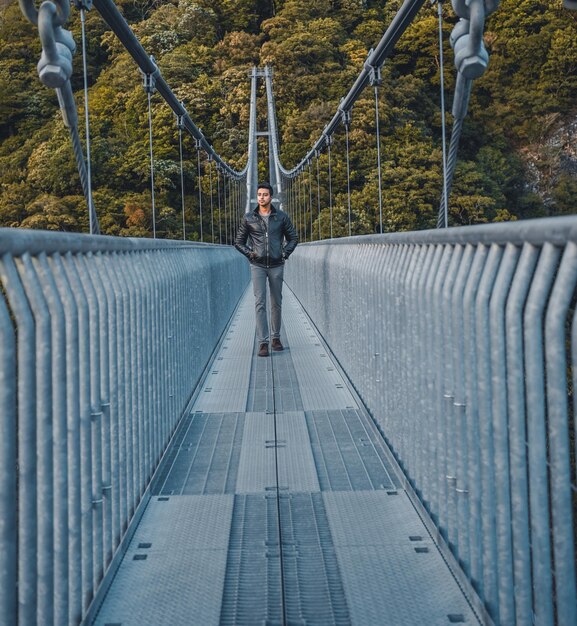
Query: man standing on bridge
{"type": "Point", "coordinates": [271, 238]}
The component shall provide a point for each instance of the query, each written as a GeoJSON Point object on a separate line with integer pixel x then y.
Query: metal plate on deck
{"type": "Point", "coordinates": [205, 456]}
{"type": "Point", "coordinates": [347, 454]}
{"type": "Point", "coordinates": [179, 578]}
{"type": "Point", "coordinates": [391, 570]}
{"type": "Point", "coordinates": [296, 468]}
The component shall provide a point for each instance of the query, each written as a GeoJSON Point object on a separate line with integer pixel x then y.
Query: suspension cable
{"type": "Point", "coordinates": [452, 157]}
{"type": "Point", "coordinates": [445, 197]}
{"type": "Point", "coordinates": [86, 119]}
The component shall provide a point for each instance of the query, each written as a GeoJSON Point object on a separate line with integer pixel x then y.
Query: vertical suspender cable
{"type": "Point", "coordinates": [376, 81]}
{"type": "Point", "coordinates": [329, 141]}
{"type": "Point", "coordinates": [199, 188]}
{"type": "Point", "coordinates": [347, 123]}
{"type": "Point", "coordinates": [179, 122]}
{"type": "Point", "coordinates": [87, 124]}
{"type": "Point", "coordinates": [149, 94]}
{"type": "Point", "coordinates": [302, 190]}
{"type": "Point", "coordinates": [319, 193]}
{"type": "Point", "coordinates": [445, 199]}
{"type": "Point", "coordinates": [380, 176]}
{"type": "Point", "coordinates": [311, 197]}
{"type": "Point", "coordinates": [224, 185]}
{"type": "Point", "coordinates": [211, 201]}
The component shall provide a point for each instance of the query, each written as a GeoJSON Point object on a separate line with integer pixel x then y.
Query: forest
{"type": "Point", "coordinates": [518, 150]}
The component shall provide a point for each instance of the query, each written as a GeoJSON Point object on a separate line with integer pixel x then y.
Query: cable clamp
{"type": "Point", "coordinates": [346, 118]}
{"type": "Point", "coordinates": [180, 118]}
{"type": "Point", "coordinates": [83, 4]}
{"type": "Point", "coordinates": [375, 78]}
{"type": "Point", "coordinates": [149, 79]}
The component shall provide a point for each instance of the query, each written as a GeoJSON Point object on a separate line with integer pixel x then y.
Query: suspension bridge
{"type": "Point", "coordinates": [408, 459]}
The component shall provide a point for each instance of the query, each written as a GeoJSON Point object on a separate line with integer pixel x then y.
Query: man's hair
{"type": "Point", "coordinates": [265, 186]}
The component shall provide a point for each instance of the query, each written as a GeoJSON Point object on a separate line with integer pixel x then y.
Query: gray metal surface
{"type": "Point", "coordinates": [204, 456]}
{"type": "Point", "coordinates": [296, 468]}
{"type": "Point", "coordinates": [174, 570]}
{"type": "Point", "coordinates": [320, 384]}
{"type": "Point", "coordinates": [461, 344]}
{"type": "Point", "coordinates": [226, 386]}
{"type": "Point", "coordinates": [348, 455]}
{"type": "Point", "coordinates": [355, 553]}
{"type": "Point", "coordinates": [284, 394]}
{"type": "Point", "coordinates": [384, 554]}
{"type": "Point", "coordinates": [111, 343]}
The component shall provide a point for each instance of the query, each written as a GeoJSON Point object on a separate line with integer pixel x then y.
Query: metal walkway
{"type": "Point", "coordinates": [276, 452]}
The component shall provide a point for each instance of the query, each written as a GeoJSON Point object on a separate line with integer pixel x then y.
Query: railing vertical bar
{"type": "Point", "coordinates": [8, 481]}
{"type": "Point", "coordinates": [95, 415]}
{"type": "Point", "coordinates": [104, 328]}
{"type": "Point", "coordinates": [143, 436]}
{"type": "Point", "coordinates": [409, 334]}
{"type": "Point", "coordinates": [399, 310]}
{"type": "Point", "coordinates": [390, 313]}
{"type": "Point", "coordinates": [537, 433]}
{"type": "Point", "coordinates": [84, 424]}
{"type": "Point", "coordinates": [156, 356]}
{"type": "Point", "coordinates": [459, 407]}
{"type": "Point", "coordinates": [516, 405]}
{"type": "Point", "coordinates": [110, 373]}
{"type": "Point", "coordinates": [132, 415]}
{"type": "Point", "coordinates": [26, 399]}
{"type": "Point", "coordinates": [559, 436]}
{"type": "Point", "coordinates": [446, 462]}
{"type": "Point", "coordinates": [118, 399]}
{"type": "Point", "coordinates": [421, 329]}
{"type": "Point", "coordinates": [485, 443]}
{"type": "Point", "coordinates": [74, 524]}
{"type": "Point", "coordinates": [154, 445]}
{"type": "Point", "coordinates": [127, 451]}
{"type": "Point", "coordinates": [429, 409]}
{"type": "Point", "coordinates": [502, 470]}
{"type": "Point", "coordinates": [448, 446]}
{"type": "Point", "coordinates": [44, 445]}
{"type": "Point", "coordinates": [472, 417]}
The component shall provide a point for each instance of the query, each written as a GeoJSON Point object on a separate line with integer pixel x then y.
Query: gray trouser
{"type": "Point", "coordinates": [259, 278]}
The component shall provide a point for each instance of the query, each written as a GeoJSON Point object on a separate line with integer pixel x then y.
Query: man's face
{"type": "Point", "coordinates": [263, 197]}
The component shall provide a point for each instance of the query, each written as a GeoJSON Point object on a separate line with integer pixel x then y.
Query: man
{"type": "Point", "coordinates": [267, 238]}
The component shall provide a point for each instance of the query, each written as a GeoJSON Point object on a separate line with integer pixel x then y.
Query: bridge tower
{"type": "Point", "coordinates": [274, 176]}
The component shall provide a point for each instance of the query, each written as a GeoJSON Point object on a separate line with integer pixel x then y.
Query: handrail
{"type": "Point", "coordinates": [102, 343]}
{"type": "Point", "coordinates": [462, 344]}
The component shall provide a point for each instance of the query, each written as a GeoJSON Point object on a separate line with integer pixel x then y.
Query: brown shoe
{"type": "Point", "coordinates": [263, 350]}
{"type": "Point", "coordinates": [277, 345]}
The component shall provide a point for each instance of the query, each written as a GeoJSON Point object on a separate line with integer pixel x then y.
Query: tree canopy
{"type": "Point", "coordinates": [515, 157]}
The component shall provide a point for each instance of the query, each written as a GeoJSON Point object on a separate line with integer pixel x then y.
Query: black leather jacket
{"type": "Point", "coordinates": [266, 247]}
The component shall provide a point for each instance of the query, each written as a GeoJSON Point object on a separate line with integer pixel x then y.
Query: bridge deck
{"type": "Point", "coordinates": [276, 451]}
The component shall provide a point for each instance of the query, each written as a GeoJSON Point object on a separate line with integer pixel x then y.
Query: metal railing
{"type": "Point", "coordinates": [463, 346]}
{"type": "Point", "coordinates": [102, 343]}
